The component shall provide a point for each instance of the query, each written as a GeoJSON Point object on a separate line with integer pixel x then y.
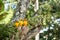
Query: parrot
{"type": "Point", "coordinates": [20, 23]}
{"type": "Point", "coordinates": [16, 24]}
{"type": "Point", "coordinates": [25, 22]}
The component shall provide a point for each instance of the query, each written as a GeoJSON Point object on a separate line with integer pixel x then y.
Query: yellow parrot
{"type": "Point", "coordinates": [16, 24]}
{"type": "Point", "coordinates": [21, 23]}
{"type": "Point", "coordinates": [25, 22]}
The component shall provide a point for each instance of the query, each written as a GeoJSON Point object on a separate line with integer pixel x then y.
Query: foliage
{"type": "Point", "coordinates": [6, 32]}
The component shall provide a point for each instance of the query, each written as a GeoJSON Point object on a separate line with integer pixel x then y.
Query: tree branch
{"type": "Point", "coordinates": [32, 32]}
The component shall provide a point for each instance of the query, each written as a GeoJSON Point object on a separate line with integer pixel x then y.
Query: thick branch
{"type": "Point", "coordinates": [32, 32]}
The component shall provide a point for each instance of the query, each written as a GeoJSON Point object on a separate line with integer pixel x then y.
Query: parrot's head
{"type": "Point", "coordinates": [5, 16]}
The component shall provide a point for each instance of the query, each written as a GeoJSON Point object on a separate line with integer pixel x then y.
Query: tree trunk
{"type": "Point", "coordinates": [21, 12]}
